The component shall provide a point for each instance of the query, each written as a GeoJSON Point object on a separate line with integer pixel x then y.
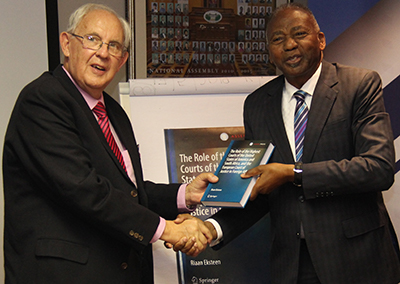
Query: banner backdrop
{"type": "Point", "coordinates": [189, 153]}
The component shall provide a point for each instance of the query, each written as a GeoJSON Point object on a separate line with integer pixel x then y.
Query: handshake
{"type": "Point", "coordinates": [186, 233]}
{"type": "Point", "coordinates": [191, 235]}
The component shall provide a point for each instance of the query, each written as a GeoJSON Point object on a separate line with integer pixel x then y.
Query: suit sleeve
{"type": "Point", "coordinates": [357, 153]}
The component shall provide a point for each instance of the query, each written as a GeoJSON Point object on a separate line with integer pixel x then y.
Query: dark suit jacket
{"type": "Point", "coordinates": [72, 215]}
{"type": "Point", "coordinates": [348, 161]}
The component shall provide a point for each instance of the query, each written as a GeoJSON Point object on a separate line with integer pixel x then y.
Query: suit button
{"type": "Point", "coordinates": [301, 198]}
{"type": "Point", "coordinates": [134, 193]}
{"type": "Point", "coordinates": [298, 235]}
{"type": "Point", "coordinates": [124, 265]}
{"type": "Point", "coordinates": [136, 235]}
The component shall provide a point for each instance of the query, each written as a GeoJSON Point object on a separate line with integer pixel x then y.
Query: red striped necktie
{"type": "Point", "coordinates": [101, 113]}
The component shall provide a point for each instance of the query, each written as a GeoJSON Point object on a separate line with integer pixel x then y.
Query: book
{"type": "Point", "coordinates": [231, 190]}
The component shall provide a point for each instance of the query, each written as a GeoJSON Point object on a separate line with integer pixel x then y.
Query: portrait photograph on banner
{"type": "Point", "coordinates": [207, 38]}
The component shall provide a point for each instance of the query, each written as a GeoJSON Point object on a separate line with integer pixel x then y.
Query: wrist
{"type": "Point", "coordinates": [212, 229]}
{"type": "Point", "coordinates": [168, 231]}
{"type": "Point", "coordinates": [189, 203]}
{"type": "Point", "coordinates": [298, 174]}
{"type": "Point", "coordinates": [183, 200]}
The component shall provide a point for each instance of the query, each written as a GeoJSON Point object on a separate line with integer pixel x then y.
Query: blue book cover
{"type": "Point", "coordinates": [231, 190]}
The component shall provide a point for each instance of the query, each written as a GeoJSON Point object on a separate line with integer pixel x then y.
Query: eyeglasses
{"type": "Point", "coordinates": [94, 42]}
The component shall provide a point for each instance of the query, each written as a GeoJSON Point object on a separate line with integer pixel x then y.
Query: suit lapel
{"type": "Point", "coordinates": [125, 135]}
{"type": "Point", "coordinates": [322, 103]}
{"type": "Point", "coordinates": [74, 92]}
{"type": "Point", "coordinates": [123, 128]}
{"type": "Point", "coordinates": [276, 126]}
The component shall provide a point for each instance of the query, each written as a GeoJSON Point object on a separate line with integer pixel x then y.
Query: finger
{"type": "Point", "coordinates": [202, 241]}
{"type": "Point", "coordinates": [256, 190]}
{"type": "Point", "coordinates": [253, 195]}
{"type": "Point", "coordinates": [182, 217]}
{"type": "Point", "coordinates": [201, 181]}
{"type": "Point", "coordinates": [262, 186]}
{"type": "Point", "coordinates": [179, 244]}
{"type": "Point", "coordinates": [189, 245]}
{"type": "Point", "coordinates": [196, 250]}
{"type": "Point", "coordinates": [212, 178]}
{"type": "Point", "coordinates": [168, 245]}
{"type": "Point", "coordinates": [193, 252]}
{"type": "Point", "coordinates": [252, 172]}
{"type": "Point", "coordinates": [206, 232]}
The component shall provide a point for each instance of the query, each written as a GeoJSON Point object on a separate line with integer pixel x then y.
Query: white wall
{"type": "Point", "coordinates": [23, 57]}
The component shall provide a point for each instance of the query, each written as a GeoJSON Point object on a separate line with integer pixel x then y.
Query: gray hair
{"type": "Point", "coordinates": [77, 16]}
{"type": "Point", "coordinates": [295, 6]}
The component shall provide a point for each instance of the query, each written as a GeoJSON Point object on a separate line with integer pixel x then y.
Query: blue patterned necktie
{"type": "Point", "coordinates": [300, 122]}
{"type": "Point", "coordinates": [101, 113]}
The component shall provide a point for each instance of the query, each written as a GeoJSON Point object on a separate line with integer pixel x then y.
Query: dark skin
{"type": "Point", "coordinates": [296, 47]}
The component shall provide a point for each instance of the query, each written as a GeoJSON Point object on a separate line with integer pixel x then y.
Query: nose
{"type": "Point", "coordinates": [103, 50]}
{"type": "Point", "coordinates": [289, 44]}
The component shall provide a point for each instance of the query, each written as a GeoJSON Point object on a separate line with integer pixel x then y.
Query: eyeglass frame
{"type": "Point", "coordinates": [124, 49]}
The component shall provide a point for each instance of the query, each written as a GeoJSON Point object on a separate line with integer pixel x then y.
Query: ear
{"type": "Point", "coordinates": [322, 40]}
{"type": "Point", "coordinates": [123, 60]}
{"type": "Point", "coordinates": [64, 43]}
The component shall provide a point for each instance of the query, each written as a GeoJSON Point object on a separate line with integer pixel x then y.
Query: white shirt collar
{"type": "Point", "coordinates": [308, 86]}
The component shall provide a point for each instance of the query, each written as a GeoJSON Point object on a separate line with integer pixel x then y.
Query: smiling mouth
{"type": "Point", "coordinates": [293, 61]}
{"type": "Point", "coordinates": [98, 67]}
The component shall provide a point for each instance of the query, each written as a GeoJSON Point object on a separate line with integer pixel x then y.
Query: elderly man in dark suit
{"type": "Point", "coordinates": [323, 186]}
{"type": "Point", "coordinates": [77, 209]}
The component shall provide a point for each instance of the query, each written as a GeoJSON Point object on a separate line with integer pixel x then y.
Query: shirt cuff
{"type": "Point", "coordinates": [219, 232]}
{"type": "Point", "coordinates": [159, 231]}
{"type": "Point", "coordinates": [181, 204]}
{"type": "Point", "coordinates": [181, 200]}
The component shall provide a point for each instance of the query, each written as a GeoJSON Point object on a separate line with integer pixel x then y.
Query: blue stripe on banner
{"type": "Point", "coordinates": [397, 166]}
{"type": "Point", "coordinates": [391, 94]}
{"type": "Point", "coordinates": [334, 17]}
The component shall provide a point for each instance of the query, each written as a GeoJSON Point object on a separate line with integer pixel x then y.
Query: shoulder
{"type": "Point", "coordinates": [349, 80]}
{"type": "Point", "coordinates": [44, 88]}
{"type": "Point", "coordinates": [269, 89]}
{"type": "Point", "coordinates": [48, 86]}
{"type": "Point", "coordinates": [349, 74]}
{"type": "Point", "coordinates": [52, 94]}
{"type": "Point", "coordinates": [44, 80]}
